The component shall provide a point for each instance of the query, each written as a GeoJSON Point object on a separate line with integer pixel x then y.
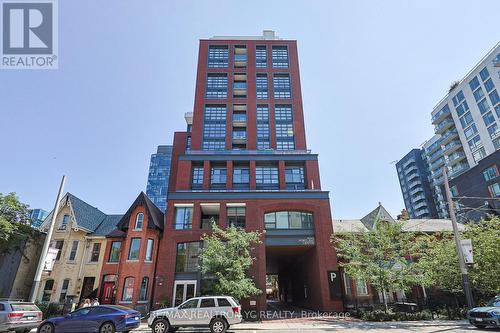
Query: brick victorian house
{"type": "Point", "coordinates": [129, 265]}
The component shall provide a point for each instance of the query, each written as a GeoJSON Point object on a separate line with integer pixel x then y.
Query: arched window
{"type": "Point", "coordinates": [128, 289]}
{"type": "Point", "coordinates": [139, 219]}
{"type": "Point", "coordinates": [143, 296]}
{"type": "Point", "coordinates": [288, 220]}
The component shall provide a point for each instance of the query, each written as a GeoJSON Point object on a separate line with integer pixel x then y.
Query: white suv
{"type": "Point", "coordinates": [215, 312]}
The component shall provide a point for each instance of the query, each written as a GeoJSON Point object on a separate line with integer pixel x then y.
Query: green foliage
{"type": "Point", "coordinates": [380, 256]}
{"type": "Point", "coordinates": [49, 309]}
{"type": "Point", "coordinates": [14, 222]}
{"type": "Point", "coordinates": [226, 255]}
{"type": "Point", "coordinates": [379, 315]}
{"type": "Point", "coordinates": [439, 264]}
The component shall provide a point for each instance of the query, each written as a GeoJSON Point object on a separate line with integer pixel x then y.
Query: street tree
{"type": "Point", "coordinates": [14, 223]}
{"type": "Point", "coordinates": [227, 256]}
{"type": "Point", "coordinates": [439, 263]}
{"type": "Point", "coordinates": [380, 256]}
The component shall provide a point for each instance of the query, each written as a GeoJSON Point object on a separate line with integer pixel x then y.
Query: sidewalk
{"type": "Point", "coordinates": [346, 324]}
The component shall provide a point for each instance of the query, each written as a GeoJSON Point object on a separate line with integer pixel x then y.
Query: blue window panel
{"type": "Point", "coordinates": [494, 97]}
{"type": "Point", "coordinates": [483, 106]}
{"type": "Point", "coordinates": [474, 83]}
{"type": "Point", "coordinates": [489, 118]}
{"type": "Point", "coordinates": [484, 74]}
{"type": "Point", "coordinates": [489, 85]}
{"type": "Point", "coordinates": [478, 94]}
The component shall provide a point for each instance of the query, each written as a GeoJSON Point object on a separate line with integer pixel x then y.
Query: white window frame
{"type": "Point", "coordinates": [137, 221]}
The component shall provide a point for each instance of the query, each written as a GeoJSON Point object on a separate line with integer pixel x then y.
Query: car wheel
{"type": "Point", "coordinates": [480, 326]}
{"type": "Point", "coordinates": [218, 325]}
{"type": "Point", "coordinates": [107, 327]}
{"type": "Point", "coordinates": [46, 328]}
{"type": "Point", "coordinates": [160, 326]}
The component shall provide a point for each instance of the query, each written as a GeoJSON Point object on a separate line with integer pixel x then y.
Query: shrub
{"type": "Point", "coordinates": [380, 315]}
{"type": "Point", "coordinates": [49, 309]}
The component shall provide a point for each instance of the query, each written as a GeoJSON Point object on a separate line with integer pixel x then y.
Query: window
{"type": "Point", "coordinates": [183, 218]}
{"type": "Point", "coordinates": [218, 56]}
{"type": "Point", "coordinates": [64, 222]}
{"type": "Point", "coordinates": [64, 291]}
{"type": "Point", "coordinates": [197, 176]}
{"type": "Point", "coordinates": [261, 86]}
{"type": "Point", "coordinates": [240, 56]}
{"type": "Point", "coordinates": [280, 56]}
{"type": "Point", "coordinates": [488, 119]}
{"type": "Point", "coordinates": [479, 154]}
{"type": "Point", "coordinates": [114, 251]}
{"type": "Point", "coordinates": [218, 176]}
{"type": "Point", "coordinates": [74, 251]}
{"type": "Point", "coordinates": [475, 143]}
{"type": "Point", "coordinates": [478, 94]}
{"type": "Point", "coordinates": [58, 244]}
{"type": "Point", "coordinates": [187, 257]}
{"type": "Point", "coordinates": [490, 173]}
{"type": "Point", "coordinates": [484, 74]}
{"type": "Point", "coordinates": [466, 120]}
{"type": "Point", "coordinates": [283, 112]}
{"type": "Point", "coordinates": [214, 127]}
{"type": "Point", "coordinates": [493, 131]}
{"type": "Point", "coordinates": [462, 108]}
{"type": "Point", "coordinates": [266, 177]}
{"type": "Point", "coordinates": [241, 175]}
{"type": "Point", "coordinates": [143, 293]}
{"type": "Point", "coordinates": [489, 85]}
{"type": "Point", "coordinates": [207, 303]}
{"type": "Point", "coordinates": [494, 190]}
{"type": "Point", "coordinates": [96, 250]}
{"type": "Point", "coordinates": [494, 97]}
{"type": "Point", "coordinates": [483, 106]}
{"type": "Point", "coordinates": [47, 290]}
{"type": "Point", "coordinates": [348, 284]}
{"type": "Point", "coordinates": [361, 287]}
{"type": "Point", "coordinates": [236, 216]}
{"type": "Point", "coordinates": [474, 83]}
{"type": "Point", "coordinates": [458, 98]}
{"type": "Point", "coordinates": [261, 56]}
{"type": "Point", "coordinates": [135, 248]}
{"type": "Point", "coordinates": [213, 145]}
{"type": "Point", "coordinates": [471, 131]}
{"type": "Point", "coordinates": [263, 127]}
{"type": "Point", "coordinates": [128, 289]}
{"type": "Point", "coordinates": [216, 87]}
{"type": "Point", "coordinates": [281, 86]}
{"type": "Point", "coordinates": [149, 250]}
{"type": "Point", "coordinates": [284, 130]}
{"type": "Point", "coordinates": [216, 130]}
{"type": "Point", "coordinates": [285, 145]}
{"type": "Point", "coordinates": [284, 127]}
{"type": "Point", "coordinates": [215, 112]}
{"type": "Point", "coordinates": [139, 219]}
{"type": "Point", "coordinates": [190, 304]}
{"type": "Point", "coordinates": [221, 302]}
{"type": "Point", "coordinates": [288, 220]}
{"type": "Point", "coordinates": [294, 178]}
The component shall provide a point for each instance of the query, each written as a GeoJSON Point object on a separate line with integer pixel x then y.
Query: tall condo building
{"type": "Point", "coordinates": [414, 181]}
{"type": "Point", "coordinates": [37, 216]}
{"type": "Point", "coordinates": [159, 171]}
{"type": "Point", "coordinates": [244, 161]}
{"type": "Point", "coordinates": [466, 125]}
{"type": "Point", "coordinates": [467, 118]}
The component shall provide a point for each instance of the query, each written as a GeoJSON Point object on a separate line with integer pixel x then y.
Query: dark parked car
{"type": "Point", "coordinates": [488, 315]}
{"type": "Point", "coordinates": [19, 316]}
{"type": "Point", "coordinates": [101, 319]}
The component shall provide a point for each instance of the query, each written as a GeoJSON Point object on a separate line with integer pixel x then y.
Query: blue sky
{"type": "Point", "coordinates": [371, 72]}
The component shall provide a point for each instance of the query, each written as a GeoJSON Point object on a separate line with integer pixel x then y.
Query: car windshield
{"type": "Point", "coordinates": [24, 307]}
{"type": "Point", "coordinates": [494, 302]}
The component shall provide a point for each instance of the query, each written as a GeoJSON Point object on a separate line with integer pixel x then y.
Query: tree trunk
{"type": "Point", "coordinates": [386, 308]}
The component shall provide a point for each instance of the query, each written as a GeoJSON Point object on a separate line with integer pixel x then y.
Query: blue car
{"type": "Point", "coordinates": [101, 319]}
{"type": "Point", "coordinates": [488, 315]}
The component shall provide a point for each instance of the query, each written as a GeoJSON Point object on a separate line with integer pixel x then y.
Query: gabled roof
{"type": "Point", "coordinates": [378, 214]}
{"type": "Point", "coordinates": [155, 215]}
{"type": "Point", "coordinates": [87, 217]}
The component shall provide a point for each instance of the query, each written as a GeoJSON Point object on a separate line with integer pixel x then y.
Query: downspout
{"type": "Point", "coordinates": [151, 301]}
{"type": "Point", "coordinates": [81, 265]}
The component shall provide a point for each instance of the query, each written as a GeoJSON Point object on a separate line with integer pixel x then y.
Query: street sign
{"type": "Point", "coordinates": [467, 250]}
{"type": "Point", "coordinates": [334, 284]}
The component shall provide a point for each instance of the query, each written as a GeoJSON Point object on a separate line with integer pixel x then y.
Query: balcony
{"type": "Point", "coordinates": [410, 161]}
{"type": "Point", "coordinates": [418, 198]}
{"type": "Point", "coordinates": [442, 114]}
{"type": "Point", "coordinates": [458, 169]}
{"type": "Point", "coordinates": [411, 169]}
{"type": "Point", "coordinates": [452, 146]}
{"type": "Point", "coordinates": [420, 205]}
{"type": "Point", "coordinates": [432, 148]}
{"type": "Point", "coordinates": [415, 183]}
{"type": "Point", "coordinates": [412, 176]}
{"type": "Point", "coordinates": [448, 136]}
{"type": "Point", "coordinates": [438, 163]}
{"type": "Point", "coordinates": [443, 126]}
{"type": "Point", "coordinates": [239, 137]}
{"type": "Point", "coordinates": [240, 89]}
{"type": "Point", "coordinates": [239, 120]}
{"type": "Point", "coordinates": [416, 190]}
{"type": "Point", "coordinates": [455, 158]}
{"type": "Point", "coordinates": [432, 157]}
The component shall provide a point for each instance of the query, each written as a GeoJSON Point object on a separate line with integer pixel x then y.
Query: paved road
{"type": "Point", "coordinates": [349, 327]}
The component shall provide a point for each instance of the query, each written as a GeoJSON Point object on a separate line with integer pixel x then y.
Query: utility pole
{"type": "Point", "coordinates": [461, 260]}
{"type": "Point", "coordinates": [45, 249]}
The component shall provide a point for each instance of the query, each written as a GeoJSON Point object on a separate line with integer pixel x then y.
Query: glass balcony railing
{"type": "Point", "coordinates": [240, 135]}
{"type": "Point", "coordinates": [452, 144]}
{"type": "Point", "coordinates": [239, 85]}
{"type": "Point", "coordinates": [240, 57]}
{"type": "Point", "coordinates": [410, 161]}
{"type": "Point", "coordinates": [443, 112]}
{"type": "Point", "coordinates": [458, 169]}
{"type": "Point", "coordinates": [448, 135]}
{"type": "Point", "coordinates": [240, 118]}
{"type": "Point", "coordinates": [439, 128]}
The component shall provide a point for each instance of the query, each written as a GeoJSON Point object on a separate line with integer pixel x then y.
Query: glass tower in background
{"type": "Point", "coordinates": [159, 171]}
{"type": "Point", "coordinates": [37, 216]}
